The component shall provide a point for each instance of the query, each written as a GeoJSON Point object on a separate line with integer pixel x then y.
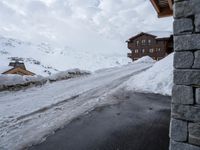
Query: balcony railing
{"type": "Point", "coordinates": [129, 55]}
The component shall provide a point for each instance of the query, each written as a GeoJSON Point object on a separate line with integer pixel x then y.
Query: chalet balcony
{"type": "Point", "coordinates": [129, 55]}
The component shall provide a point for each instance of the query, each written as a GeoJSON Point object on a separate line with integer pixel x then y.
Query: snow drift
{"type": "Point", "coordinates": [157, 79]}
{"type": "Point", "coordinates": [16, 81]}
{"type": "Point", "coordinates": [145, 59]}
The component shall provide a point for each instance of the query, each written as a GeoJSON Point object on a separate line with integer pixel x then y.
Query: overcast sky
{"type": "Point", "coordinates": [78, 23]}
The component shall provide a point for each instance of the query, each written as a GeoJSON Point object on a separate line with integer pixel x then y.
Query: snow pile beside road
{"type": "Point", "coordinates": [67, 74]}
{"type": "Point", "coordinates": [11, 79]}
{"type": "Point", "coordinates": [157, 79]}
{"type": "Point", "coordinates": [17, 81]}
{"type": "Point", "coordinates": [145, 59]}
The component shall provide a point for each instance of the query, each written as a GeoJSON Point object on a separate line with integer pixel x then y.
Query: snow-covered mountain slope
{"type": "Point", "coordinates": [44, 59]}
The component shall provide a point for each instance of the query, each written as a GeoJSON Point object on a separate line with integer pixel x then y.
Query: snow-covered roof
{"type": "Point", "coordinates": [5, 68]}
{"type": "Point", "coordinates": [161, 34]}
{"type": "Point", "coordinates": [156, 34]}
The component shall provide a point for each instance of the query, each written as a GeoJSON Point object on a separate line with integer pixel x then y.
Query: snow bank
{"type": "Point", "coordinates": [16, 81]}
{"type": "Point", "coordinates": [67, 74]}
{"type": "Point", "coordinates": [145, 59]}
{"type": "Point", "coordinates": [9, 80]}
{"type": "Point", "coordinates": [157, 79]}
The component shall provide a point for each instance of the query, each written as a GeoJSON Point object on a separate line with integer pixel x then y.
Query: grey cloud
{"type": "Point", "coordinates": [63, 21]}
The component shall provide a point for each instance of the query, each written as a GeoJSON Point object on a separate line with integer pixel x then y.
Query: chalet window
{"type": "Point", "coordinates": [158, 49]}
{"type": "Point", "coordinates": [151, 50]}
{"type": "Point", "coordinates": [143, 42]}
{"type": "Point", "coordinates": [136, 51]}
{"type": "Point", "coordinates": [149, 42]}
{"type": "Point", "coordinates": [143, 50]}
{"type": "Point", "coordinates": [137, 43]}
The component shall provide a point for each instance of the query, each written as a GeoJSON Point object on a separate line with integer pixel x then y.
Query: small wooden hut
{"type": "Point", "coordinates": [16, 68]}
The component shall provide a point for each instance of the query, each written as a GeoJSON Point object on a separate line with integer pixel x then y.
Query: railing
{"type": "Point", "coordinates": [129, 55]}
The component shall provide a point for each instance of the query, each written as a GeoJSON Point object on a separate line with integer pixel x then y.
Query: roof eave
{"type": "Point", "coordinates": [19, 69]}
{"type": "Point", "coordinates": [163, 11]}
{"type": "Point", "coordinates": [141, 33]}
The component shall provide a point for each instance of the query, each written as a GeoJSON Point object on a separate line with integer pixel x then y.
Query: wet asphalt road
{"type": "Point", "coordinates": [138, 122]}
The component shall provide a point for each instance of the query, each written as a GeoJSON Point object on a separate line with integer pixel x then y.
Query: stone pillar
{"type": "Point", "coordinates": [185, 122]}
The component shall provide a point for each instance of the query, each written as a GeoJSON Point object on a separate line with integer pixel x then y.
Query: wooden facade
{"type": "Point", "coordinates": [145, 44]}
{"type": "Point", "coordinates": [164, 8]}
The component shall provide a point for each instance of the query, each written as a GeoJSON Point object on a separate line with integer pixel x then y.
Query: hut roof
{"type": "Point", "coordinates": [15, 68]}
{"type": "Point", "coordinates": [18, 70]}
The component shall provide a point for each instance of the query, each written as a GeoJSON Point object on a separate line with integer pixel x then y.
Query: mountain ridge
{"type": "Point", "coordinates": [43, 59]}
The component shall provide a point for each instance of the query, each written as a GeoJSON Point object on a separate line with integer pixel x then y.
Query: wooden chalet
{"type": "Point", "coordinates": [157, 45]}
{"type": "Point", "coordinates": [164, 8]}
{"type": "Point", "coordinates": [16, 68]}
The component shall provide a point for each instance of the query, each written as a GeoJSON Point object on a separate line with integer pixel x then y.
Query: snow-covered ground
{"type": "Point", "coordinates": [44, 59]}
{"type": "Point", "coordinates": [27, 116]}
{"type": "Point", "coordinates": [157, 79]}
{"type": "Point", "coordinates": [16, 81]}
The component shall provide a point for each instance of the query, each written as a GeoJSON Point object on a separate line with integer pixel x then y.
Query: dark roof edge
{"type": "Point", "coordinates": [141, 33]}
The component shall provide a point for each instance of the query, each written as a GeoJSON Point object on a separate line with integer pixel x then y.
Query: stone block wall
{"type": "Point", "coordinates": [185, 122]}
